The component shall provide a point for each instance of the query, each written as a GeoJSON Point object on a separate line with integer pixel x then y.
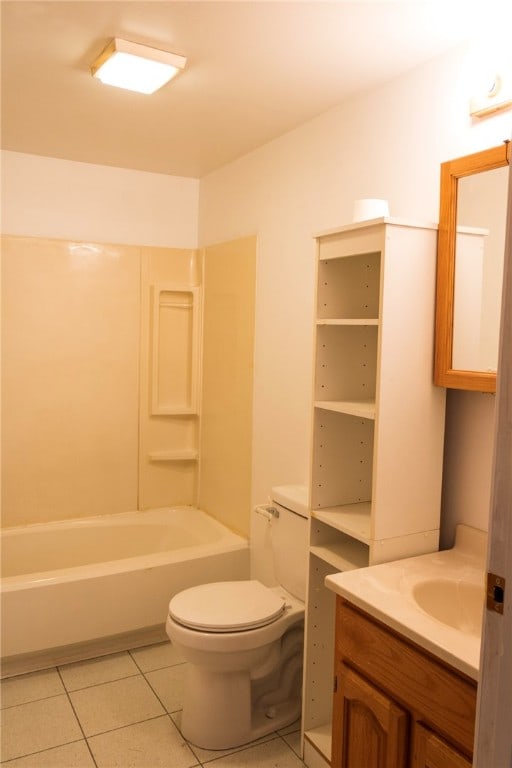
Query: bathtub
{"type": "Point", "coordinates": [79, 588]}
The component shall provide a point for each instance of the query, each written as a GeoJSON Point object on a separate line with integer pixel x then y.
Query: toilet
{"type": "Point", "coordinates": [243, 641]}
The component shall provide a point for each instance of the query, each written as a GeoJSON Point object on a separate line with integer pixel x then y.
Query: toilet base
{"type": "Point", "coordinates": [206, 725]}
{"type": "Point", "coordinates": [223, 710]}
{"type": "Point", "coordinates": [280, 716]}
{"type": "Point", "coordinates": [203, 719]}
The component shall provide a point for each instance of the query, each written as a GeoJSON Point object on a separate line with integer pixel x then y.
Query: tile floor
{"type": "Point", "coordinates": [117, 711]}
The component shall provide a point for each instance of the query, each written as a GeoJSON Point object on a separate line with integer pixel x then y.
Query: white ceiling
{"type": "Point", "coordinates": [255, 70]}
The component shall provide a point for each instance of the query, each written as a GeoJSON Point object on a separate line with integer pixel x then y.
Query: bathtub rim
{"type": "Point", "coordinates": [227, 542]}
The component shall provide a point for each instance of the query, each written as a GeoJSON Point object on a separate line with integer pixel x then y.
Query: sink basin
{"type": "Point", "coordinates": [456, 603]}
{"type": "Point", "coordinates": [436, 600]}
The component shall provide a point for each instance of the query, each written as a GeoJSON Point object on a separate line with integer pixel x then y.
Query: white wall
{"type": "Point", "coordinates": [45, 197]}
{"type": "Point", "coordinates": [388, 143]}
{"type": "Point", "coordinates": [469, 445]}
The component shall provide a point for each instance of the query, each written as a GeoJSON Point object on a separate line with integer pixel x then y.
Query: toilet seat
{"type": "Point", "coordinates": [226, 606]}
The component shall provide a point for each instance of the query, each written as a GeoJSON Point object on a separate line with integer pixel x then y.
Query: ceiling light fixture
{"type": "Point", "coordinates": [136, 67]}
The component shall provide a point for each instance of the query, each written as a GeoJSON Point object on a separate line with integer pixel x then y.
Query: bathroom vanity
{"type": "Point", "coordinates": [406, 659]}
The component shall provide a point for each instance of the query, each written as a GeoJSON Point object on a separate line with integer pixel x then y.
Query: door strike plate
{"type": "Point", "coordinates": [495, 593]}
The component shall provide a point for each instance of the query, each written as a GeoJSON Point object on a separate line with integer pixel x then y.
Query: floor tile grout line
{"type": "Point", "coordinates": [104, 657]}
{"type": "Point", "coordinates": [158, 697]}
{"type": "Point", "coordinates": [159, 669]}
{"type": "Point", "coordinates": [180, 709]}
{"type": "Point", "coordinates": [103, 682]}
{"type": "Point", "coordinates": [40, 751]}
{"type": "Point", "coordinates": [135, 662]}
{"type": "Point", "coordinates": [169, 714]}
{"type": "Point", "coordinates": [282, 737]}
{"type": "Point", "coordinates": [127, 725]}
{"type": "Point", "coordinates": [185, 741]}
{"type": "Point", "coordinates": [77, 718]}
{"type": "Point", "coordinates": [33, 701]}
{"type": "Point", "coordinates": [138, 673]}
{"type": "Point", "coordinates": [156, 669]}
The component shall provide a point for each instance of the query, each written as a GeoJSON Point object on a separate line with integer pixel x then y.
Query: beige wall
{"type": "Point", "coordinates": [70, 370]}
{"type": "Point", "coordinates": [228, 346]}
{"type": "Point", "coordinates": [76, 370]}
{"type": "Point", "coordinates": [469, 445]}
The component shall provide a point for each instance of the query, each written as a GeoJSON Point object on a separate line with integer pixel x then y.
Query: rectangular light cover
{"type": "Point", "coordinates": [136, 67]}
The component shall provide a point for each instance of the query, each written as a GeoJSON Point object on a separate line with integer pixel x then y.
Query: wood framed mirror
{"type": "Point", "coordinates": [471, 246]}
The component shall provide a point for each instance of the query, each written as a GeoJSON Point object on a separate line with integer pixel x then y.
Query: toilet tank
{"type": "Point", "coordinates": [289, 538]}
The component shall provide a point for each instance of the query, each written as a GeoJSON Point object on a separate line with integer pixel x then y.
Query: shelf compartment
{"type": "Point", "coordinates": [351, 519]}
{"type": "Point", "coordinates": [346, 362]}
{"type": "Point", "coordinates": [348, 321]}
{"type": "Point", "coordinates": [363, 408]}
{"type": "Point", "coordinates": [174, 349]}
{"type": "Point", "coordinates": [342, 459]}
{"type": "Point", "coordinates": [187, 454]}
{"type": "Point", "coordinates": [319, 640]}
{"type": "Point", "coordinates": [321, 739]}
{"type": "Point", "coordinates": [342, 551]}
{"type": "Point", "coordinates": [343, 557]}
{"type": "Point", "coordinates": [348, 288]}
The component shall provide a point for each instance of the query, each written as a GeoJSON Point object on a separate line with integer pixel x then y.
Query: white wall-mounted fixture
{"type": "Point", "coordinates": [493, 95]}
{"type": "Point", "coordinates": [136, 67]}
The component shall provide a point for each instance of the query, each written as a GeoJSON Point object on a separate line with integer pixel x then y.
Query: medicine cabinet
{"type": "Point", "coordinates": [472, 219]}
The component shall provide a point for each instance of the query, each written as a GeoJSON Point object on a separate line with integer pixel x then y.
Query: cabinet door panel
{"type": "Point", "coordinates": [432, 752]}
{"type": "Point", "coordinates": [443, 699]}
{"type": "Point", "coordinates": [370, 730]}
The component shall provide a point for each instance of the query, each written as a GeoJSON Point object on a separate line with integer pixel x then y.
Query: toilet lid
{"type": "Point", "coordinates": [226, 606]}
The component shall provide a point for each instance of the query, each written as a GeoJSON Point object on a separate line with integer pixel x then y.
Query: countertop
{"type": "Point", "coordinates": [387, 591]}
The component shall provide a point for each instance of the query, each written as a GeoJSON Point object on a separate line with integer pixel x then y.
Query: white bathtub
{"type": "Point", "coordinates": [79, 588]}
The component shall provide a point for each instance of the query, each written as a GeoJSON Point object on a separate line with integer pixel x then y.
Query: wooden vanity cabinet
{"type": "Point", "coordinates": [395, 705]}
{"type": "Point", "coordinates": [430, 751]}
{"type": "Point", "coordinates": [371, 729]}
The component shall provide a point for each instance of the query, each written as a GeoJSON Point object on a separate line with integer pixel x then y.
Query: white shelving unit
{"type": "Point", "coordinates": [187, 454]}
{"type": "Point", "coordinates": [378, 426]}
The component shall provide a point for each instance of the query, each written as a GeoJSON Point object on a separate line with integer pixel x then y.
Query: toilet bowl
{"type": "Point", "coordinates": [243, 642]}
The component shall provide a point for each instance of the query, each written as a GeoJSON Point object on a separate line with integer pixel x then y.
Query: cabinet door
{"type": "Point", "coordinates": [369, 729]}
{"type": "Point", "coordinates": [430, 751]}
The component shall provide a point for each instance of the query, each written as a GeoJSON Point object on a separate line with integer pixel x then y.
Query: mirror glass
{"type": "Point", "coordinates": [471, 247]}
{"type": "Point", "coordinates": [479, 251]}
